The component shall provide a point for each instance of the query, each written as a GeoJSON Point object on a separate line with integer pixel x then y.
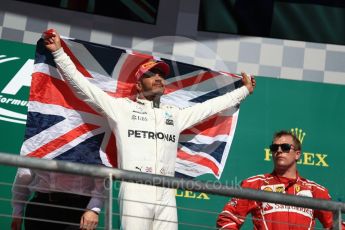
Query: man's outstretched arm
{"type": "Point", "coordinates": [84, 90]}
{"type": "Point", "coordinates": [195, 114]}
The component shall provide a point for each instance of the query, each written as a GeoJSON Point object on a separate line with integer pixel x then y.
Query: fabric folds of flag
{"type": "Point", "coordinates": [62, 127]}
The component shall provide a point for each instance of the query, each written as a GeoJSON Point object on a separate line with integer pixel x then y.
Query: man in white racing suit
{"type": "Point", "coordinates": [146, 136]}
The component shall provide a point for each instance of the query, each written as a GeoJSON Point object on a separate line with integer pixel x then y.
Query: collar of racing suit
{"type": "Point", "coordinates": [152, 104]}
{"type": "Point", "coordinates": [287, 181]}
{"type": "Point", "coordinates": [144, 102]}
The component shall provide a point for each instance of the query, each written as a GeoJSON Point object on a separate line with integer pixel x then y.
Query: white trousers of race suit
{"type": "Point", "coordinates": [145, 207]}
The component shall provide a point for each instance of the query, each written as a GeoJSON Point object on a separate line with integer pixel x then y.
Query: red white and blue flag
{"type": "Point", "coordinates": [62, 127]}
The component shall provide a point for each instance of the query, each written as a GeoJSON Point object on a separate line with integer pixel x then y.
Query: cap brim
{"type": "Point", "coordinates": [162, 66]}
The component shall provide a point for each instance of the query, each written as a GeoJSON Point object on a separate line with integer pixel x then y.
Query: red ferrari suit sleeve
{"type": "Point", "coordinates": [235, 211]}
{"type": "Point", "coordinates": [325, 217]}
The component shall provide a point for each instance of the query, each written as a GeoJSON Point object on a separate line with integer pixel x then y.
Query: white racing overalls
{"type": "Point", "coordinates": [147, 141]}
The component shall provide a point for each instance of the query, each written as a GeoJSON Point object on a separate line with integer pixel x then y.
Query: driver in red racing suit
{"type": "Point", "coordinates": [276, 216]}
{"type": "Point", "coordinates": [285, 179]}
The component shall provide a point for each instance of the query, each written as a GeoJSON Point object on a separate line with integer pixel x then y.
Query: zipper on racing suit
{"type": "Point", "coordinates": [156, 152]}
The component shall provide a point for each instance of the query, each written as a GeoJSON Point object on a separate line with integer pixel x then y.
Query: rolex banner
{"type": "Point", "coordinates": [313, 111]}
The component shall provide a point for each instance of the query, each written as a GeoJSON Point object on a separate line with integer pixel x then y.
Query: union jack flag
{"type": "Point", "coordinates": [62, 127]}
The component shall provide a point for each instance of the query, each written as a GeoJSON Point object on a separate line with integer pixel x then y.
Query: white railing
{"type": "Point", "coordinates": [170, 182]}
